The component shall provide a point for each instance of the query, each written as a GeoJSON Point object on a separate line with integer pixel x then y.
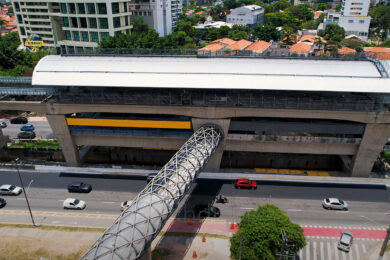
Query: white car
{"type": "Point", "coordinates": [333, 203]}
{"type": "Point", "coordinates": [125, 204]}
{"type": "Point", "coordinates": [345, 241]}
{"type": "Point", "coordinates": [9, 189]}
{"type": "Point", "coordinates": [72, 203]}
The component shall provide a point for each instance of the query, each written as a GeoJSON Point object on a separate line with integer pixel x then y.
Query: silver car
{"type": "Point", "coordinates": [345, 241]}
{"type": "Point", "coordinates": [9, 189]}
{"type": "Point", "coordinates": [72, 203]}
{"type": "Point", "coordinates": [334, 203]}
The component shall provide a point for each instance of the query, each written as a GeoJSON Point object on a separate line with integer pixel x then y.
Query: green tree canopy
{"type": "Point", "coordinates": [260, 234]}
{"type": "Point", "coordinates": [380, 22]}
{"type": "Point", "coordinates": [333, 33]}
{"type": "Point", "coordinates": [266, 32]}
{"type": "Point", "coordinates": [302, 12]}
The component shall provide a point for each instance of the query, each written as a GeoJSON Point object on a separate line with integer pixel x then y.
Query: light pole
{"type": "Point", "coordinates": [24, 192]}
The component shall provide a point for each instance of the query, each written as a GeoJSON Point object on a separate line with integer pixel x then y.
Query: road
{"type": "Point", "coordinates": [42, 129]}
{"type": "Point", "coordinates": [369, 207]}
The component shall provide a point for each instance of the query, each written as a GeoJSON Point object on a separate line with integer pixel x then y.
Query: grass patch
{"type": "Point", "coordinates": [36, 144]}
{"type": "Point", "coordinates": [58, 228]}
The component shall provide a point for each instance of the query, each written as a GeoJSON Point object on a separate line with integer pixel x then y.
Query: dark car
{"type": "Point", "coordinates": [3, 124]}
{"type": "Point", "coordinates": [2, 203]}
{"type": "Point", "coordinates": [80, 187]}
{"type": "Point", "coordinates": [26, 135]}
{"type": "Point", "coordinates": [150, 177]}
{"type": "Point", "coordinates": [206, 211]}
{"type": "Point", "coordinates": [27, 127]}
{"type": "Point", "coordinates": [19, 120]}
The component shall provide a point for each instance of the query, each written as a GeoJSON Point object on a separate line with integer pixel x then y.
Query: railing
{"type": "Point", "coordinates": [301, 139]}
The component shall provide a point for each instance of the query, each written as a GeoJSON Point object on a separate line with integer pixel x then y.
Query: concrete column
{"type": "Point", "coordinates": [374, 138]}
{"type": "Point", "coordinates": [61, 132]}
{"type": "Point", "coordinates": [3, 139]}
{"type": "Point", "coordinates": [215, 161]}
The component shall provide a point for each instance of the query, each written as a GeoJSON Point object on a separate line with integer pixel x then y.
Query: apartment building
{"type": "Point", "coordinates": [72, 25]}
{"type": "Point", "coordinates": [161, 15]}
{"type": "Point", "coordinates": [353, 18]}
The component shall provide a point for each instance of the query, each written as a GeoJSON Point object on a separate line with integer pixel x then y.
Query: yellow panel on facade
{"type": "Point", "coordinates": [129, 123]}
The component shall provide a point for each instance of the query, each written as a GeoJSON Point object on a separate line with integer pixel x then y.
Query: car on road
{"type": "Point", "coordinates": [72, 203]}
{"type": "Point", "coordinates": [150, 177]}
{"type": "Point", "coordinates": [26, 135]}
{"type": "Point", "coordinates": [27, 127]}
{"type": "Point", "coordinates": [334, 203]}
{"type": "Point", "coordinates": [80, 187]}
{"type": "Point", "coordinates": [203, 210]}
{"type": "Point", "coordinates": [125, 204]}
{"type": "Point", "coordinates": [9, 189]}
{"type": "Point", "coordinates": [3, 124]}
{"type": "Point", "coordinates": [245, 184]}
{"type": "Point", "coordinates": [2, 203]}
{"type": "Point", "coordinates": [19, 120]}
{"type": "Point", "coordinates": [345, 241]}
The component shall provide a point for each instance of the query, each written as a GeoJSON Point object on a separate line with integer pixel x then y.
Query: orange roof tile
{"type": "Point", "coordinates": [317, 14]}
{"type": "Point", "coordinates": [225, 41]}
{"type": "Point", "coordinates": [200, 12]}
{"type": "Point", "coordinates": [240, 45]}
{"type": "Point", "coordinates": [308, 38]}
{"type": "Point", "coordinates": [346, 51]}
{"type": "Point", "coordinates": [259, 46]}
{"type": "Point", "coordinates": [376, 49]}
{"type": "Point", "coordinates": [292, 37]}
{"type": "Point", "coordinates": [301, 47]}
{"type": "Point", "coordinates": [212, 47]}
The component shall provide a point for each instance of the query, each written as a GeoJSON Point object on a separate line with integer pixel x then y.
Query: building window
{"type": "Point", "coordinates": [361, 21]}
{"type": "Point", "coordinates": [103, 23]}
{"type": "Point", "coordinates": [102, 9]}
{"type": "Point", "coordinates": [126, 21]}
{"type": "Point", "coordinates": [91, 8]}
{"type": "Point", "coordinates": [17, 7]}
{"type": "Point", "coordinates": [83, 22]}
{"type": "Point", "coordinates": [81, 8]}
{"type": "Point", "coordinates": [67, 35]}
{"type": "Point", "coordinates": [117, 22]}
{"type": "Point", "coordinates": [84, 36]}
{"type": "Point", "coordinates": [66, 21]}
{"type": "Point", "coordinates": [22, 31]}
{"type": "Point", "coordinates": [115, 8]}
{"type": "Point", "coordinates": [74, 22]}
{"type": "Point", "coordinates": [104, 35]}
{"type": "Point", "coordinates": [94, 36]}
{"type": "Point", "coordinates": [20, 19]}
{"type": "Point", "coordinates": [72, 8]}
{"type": "Point", "coordinates": [64, 10]}
{"type": "Point", "coordinates": [76, 36]}
{"type": "Point", "coordinates": [350, 21]}
{"type": "Point", "coordinates": [125, 7]}
{"type": "Point", "coordinates": [92, 23]}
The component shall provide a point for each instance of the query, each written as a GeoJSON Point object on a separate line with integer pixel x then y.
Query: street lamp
{"type": "Point", "coordinates": [24, 192]}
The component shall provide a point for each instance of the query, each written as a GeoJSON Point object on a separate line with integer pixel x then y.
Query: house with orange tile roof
{"type": "Point", "coordinates": [258, 47]}
{"type": "Point", "coordinates": [345, 51]}
{"type": "Point", "coordinates": [212, 49]}
{"type": "Point", "coordinates": [239, 45]}
{"type": "Point", "coordinates": [302, 49]}
{"type": "Point", "coordinates": [225, 41]}
{"type": "Point", "coordinates": [379, 53]}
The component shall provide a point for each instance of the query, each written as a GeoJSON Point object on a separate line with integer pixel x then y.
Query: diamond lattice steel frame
{"type": "Point", "coordinates": [137, 226]}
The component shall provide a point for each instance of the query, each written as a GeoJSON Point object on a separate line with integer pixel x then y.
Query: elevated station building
{"type": "Point", "coordinates": [279, 107]}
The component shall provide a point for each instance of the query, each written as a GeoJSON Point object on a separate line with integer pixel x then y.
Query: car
{"type": "Point", "coordinates": [26, 135]}
{"type": "Point", "coordinates": [19, 120]}
{"type": "Point", "coordinates": [125, 204]}
{"type": "Point", "coordinates": [27, 127]}
{"type": "Point", "coordinates": [203, 210]}
{"type": "Point", "coordinates": [72, 203]}
{"type": "Point", "coordinates": [3, 124]}
{"type": "Point", "coordinates": [150, 177]}
{"type": "Point", "coordinates": [80, 187]}
{"type": "Point", "coordinates": [345, 241]}
{"type": "Point", "coordinates": [334, 203]}
{"type": "Point", "coordinates": [2, 203]}
{"type": "Point", "coordinates": [245, 184]}
{"type": "Point", "coordinates": [9, 189]}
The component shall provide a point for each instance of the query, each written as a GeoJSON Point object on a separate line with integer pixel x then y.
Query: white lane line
{"type": "Point", "coordinates": [300, 254]}
{"type": "Point", "coordinates": [307, 251]}
{"type": "Point", "coordinates": [247, 208]}
{"type": "Point", "coordinates": [314, 250]}
{"type": "Point", "coordinates": [336, 252]}
{"type": "Point", "coordinates": [109, 202]}
{"type": "Point", "coordinates": [364, 248]}
{"type": "Point", "coordinates": [322, 250]}
{"type": "Point", "coordinates": [344, 255]}
{"type": "Point", "coordinates": [329, 251]}
{"type": "Point", "coordinates": [357, 253]}
{"type": "Point", "coordinates": [296, 210]}
{"type": "Point", "coordinates": [56, 222]}
{"type": "Point", "coordinates": [20, 198]}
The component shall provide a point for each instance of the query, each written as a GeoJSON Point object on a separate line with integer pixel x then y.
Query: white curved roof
{"type": "Point", "coordinates": [210, 73]}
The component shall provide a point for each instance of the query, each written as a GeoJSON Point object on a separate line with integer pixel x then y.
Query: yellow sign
{"type": "Point", "coordinates": [33, 43]}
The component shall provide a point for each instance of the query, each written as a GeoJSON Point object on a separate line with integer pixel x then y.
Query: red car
{"type": "Point", "coordinates": [245, 184]}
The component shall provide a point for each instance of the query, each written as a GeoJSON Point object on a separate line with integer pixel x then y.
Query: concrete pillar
{"type": "Point", "coordinates": [374, 138]}
{"type": "Point", "coordinates": [3, 139]}
{"type": "Point", "coordinates": [215, 161]}
{"type": "Point", "coordinates": [61, 132]}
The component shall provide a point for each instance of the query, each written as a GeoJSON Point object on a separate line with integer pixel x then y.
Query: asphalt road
{"type": "Point", "coordinates": [369, 207]}
{"type": "Point", "coordinates": [42, 129]}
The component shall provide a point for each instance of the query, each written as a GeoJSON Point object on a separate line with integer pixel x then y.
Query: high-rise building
{"type": "Point", "coordinates": [73, 25]}
{"type": "Point", "coordinates": [161, 15]}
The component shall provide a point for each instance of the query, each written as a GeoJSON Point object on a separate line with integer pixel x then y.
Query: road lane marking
{"type": "Point", "coordinates": [294, 210]}
{"type": "Point", "coordinates": [364, 248]}
{"type": "Point", "coordinates": [247, 208]}
{"type": "Point", "coordinates": [322, 250]}
{"type": "Point", "coordinates": [314, 250]}
{"type": "Point", "coordinates": [328, 249]}
{"type": "Point", "coordinates": [109, 202]}
{"type": "Point", "coordinates": [20, 198]}
{"type": "Point", "coordinates": [357, 253]}
{"type": "Point", "coordinates": [308, 251]}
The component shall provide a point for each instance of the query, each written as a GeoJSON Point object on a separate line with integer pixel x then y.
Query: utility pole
{"type": "Point", "coordinates": [385, 241]}
{"type": "Point", "coordinates": [284, 248]}
{"type": "Point", "coordinates": [24, 192]}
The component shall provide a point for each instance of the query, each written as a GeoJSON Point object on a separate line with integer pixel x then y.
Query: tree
{"type": "Point", "coordinates": [302, 12]}
{"type": "Point", "coordinates": [386, 43]}
{"type": "Point", "coordinates": [380, 22]}
{"type": "Point", "coordinates": [260, 234]}
{"type": "Point", "coordinates": [139, 26]}
{"type": "Point", "coordinates": [321, 6]}
{"type": "Point", "coordinates": [266, 33]}
{"type": "Point", "coordinates": [333, 33]}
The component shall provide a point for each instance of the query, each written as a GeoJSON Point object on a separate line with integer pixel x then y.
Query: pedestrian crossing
{"type": "Point", "coordinates": [326, 249]}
